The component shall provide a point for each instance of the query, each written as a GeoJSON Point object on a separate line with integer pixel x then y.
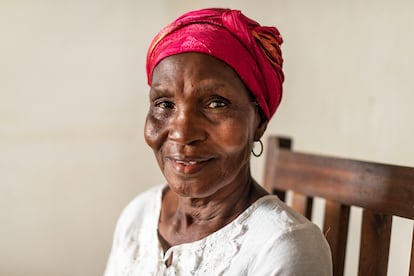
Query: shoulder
{"type": "Point", "coordinates": [300, 251]}
{"type": "Point", "coordinates": [271, 212]}
{"type": "Point", "coordinates": [284, 235]}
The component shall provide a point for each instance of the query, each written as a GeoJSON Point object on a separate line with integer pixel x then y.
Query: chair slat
{"type": "Point", "coordinates": [381, 190]}
{"type": "Point", "coordinates": [280, 194]}
{"type": "Point", "coordinates": [275, 144]}
{"type": "Point", "coordinates": [375, 243]}
{"type": "Point", "coordinates": [336, 232]}
{"type": "Point", "coordinates": [348, 181]}
{"type": "Point", "coordinates": [302, 204]}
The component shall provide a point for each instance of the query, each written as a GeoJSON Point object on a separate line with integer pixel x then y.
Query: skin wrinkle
{"type": "Point", "coordinates": [198, 126]}
{"type": "Point", "coordinates": [227, 35]}
{"type": "Point", "coordinates": [201, 109]}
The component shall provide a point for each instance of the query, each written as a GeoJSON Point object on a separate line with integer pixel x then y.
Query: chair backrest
{"type": "Point", "coordinates": [382, 191]}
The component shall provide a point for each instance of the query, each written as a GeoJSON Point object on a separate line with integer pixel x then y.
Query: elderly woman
{"type": "Point", "coordinates": [215, 81]}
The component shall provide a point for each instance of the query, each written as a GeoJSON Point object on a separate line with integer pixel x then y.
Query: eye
{"type": "Point", "coordinates": [217, 103]}
{"type": "Point", "coordinates": [164, 104]}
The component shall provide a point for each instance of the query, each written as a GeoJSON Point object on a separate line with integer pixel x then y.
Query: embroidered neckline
{"type": "Point", "coordinates": [238, 220]}
{"type": "Point", "coordinates": [228, 237]}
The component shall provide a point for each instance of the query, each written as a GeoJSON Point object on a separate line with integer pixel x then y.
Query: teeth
{"type": "Point", "coordinates": [186, 162]}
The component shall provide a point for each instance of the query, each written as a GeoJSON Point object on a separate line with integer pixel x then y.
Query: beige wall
{"type": "Point", "coordinates": [73, 99]}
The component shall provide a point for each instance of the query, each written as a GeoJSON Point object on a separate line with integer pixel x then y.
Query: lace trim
{"type": "Point", "coordinates": [198, 258]}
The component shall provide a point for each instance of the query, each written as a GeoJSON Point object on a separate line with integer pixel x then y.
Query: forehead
{"type": "Point", "coordinates": [193, 65]}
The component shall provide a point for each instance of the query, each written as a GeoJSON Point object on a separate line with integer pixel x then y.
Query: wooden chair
{"type": "Point", "coordinates": [382, 191]}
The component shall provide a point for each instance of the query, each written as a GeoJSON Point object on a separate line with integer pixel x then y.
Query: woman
{"type": "Point", "coordinates": [215, 81]}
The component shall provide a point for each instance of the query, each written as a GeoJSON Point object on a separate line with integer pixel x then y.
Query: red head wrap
{"type": "Point", "coordinates": [253, 51]}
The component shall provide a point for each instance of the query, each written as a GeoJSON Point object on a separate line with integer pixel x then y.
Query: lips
{"type": "Point", "coordinates": [188, 165]}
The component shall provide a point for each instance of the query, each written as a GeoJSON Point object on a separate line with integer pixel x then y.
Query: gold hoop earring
{"type": "Point", "coordinates": [261, 149]}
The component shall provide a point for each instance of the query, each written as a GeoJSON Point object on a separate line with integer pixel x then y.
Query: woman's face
{"type": "Point", "coordinates": [201, 125]}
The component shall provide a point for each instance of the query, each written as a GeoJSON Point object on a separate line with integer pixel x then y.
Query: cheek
{"type": "Point", "coordinates": [237, 135]}
{"type": "Point", "coordinates": [236, 139]}
{"type": "Point", "coordinates": [153, 132]}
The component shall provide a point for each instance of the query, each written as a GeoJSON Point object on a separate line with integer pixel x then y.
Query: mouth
{"type": "Point", "coordinates": [188, 165]}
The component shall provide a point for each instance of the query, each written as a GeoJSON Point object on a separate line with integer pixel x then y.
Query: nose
{"type": "Point", "coordinates": [187, 127]}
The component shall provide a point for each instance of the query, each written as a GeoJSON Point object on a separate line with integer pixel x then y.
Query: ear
{"type": "Point", "coordinates": [260, 129]}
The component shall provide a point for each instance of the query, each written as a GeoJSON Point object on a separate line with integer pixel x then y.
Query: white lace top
{"type": "Point", "coordinates": [268, 238]}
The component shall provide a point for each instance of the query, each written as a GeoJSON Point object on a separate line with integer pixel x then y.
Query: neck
{"type": "Point", "coordinates": [220, 207]}
{"type": "Point", "coordinates": [187, 219]}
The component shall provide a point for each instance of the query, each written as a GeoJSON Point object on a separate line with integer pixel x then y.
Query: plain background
{"type": "Point", "coordinates": [73, 99]}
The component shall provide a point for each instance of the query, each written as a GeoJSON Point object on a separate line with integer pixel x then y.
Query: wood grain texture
{"type": "Point", "coordinates": [381, 190]}
{"type": "Point", "coordinates": [302, 204]}
{"type": "Point", "coordinates": [336, 233]}
{"type": "Point", "coordinates": [375, 243]}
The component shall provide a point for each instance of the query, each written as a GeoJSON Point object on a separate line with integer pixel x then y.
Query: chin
{"type": "Point", "coordinates": [191, 190]}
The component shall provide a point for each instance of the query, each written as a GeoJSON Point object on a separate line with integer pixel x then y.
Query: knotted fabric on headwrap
{"type": "Point", "coordinates": [253, 51]}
